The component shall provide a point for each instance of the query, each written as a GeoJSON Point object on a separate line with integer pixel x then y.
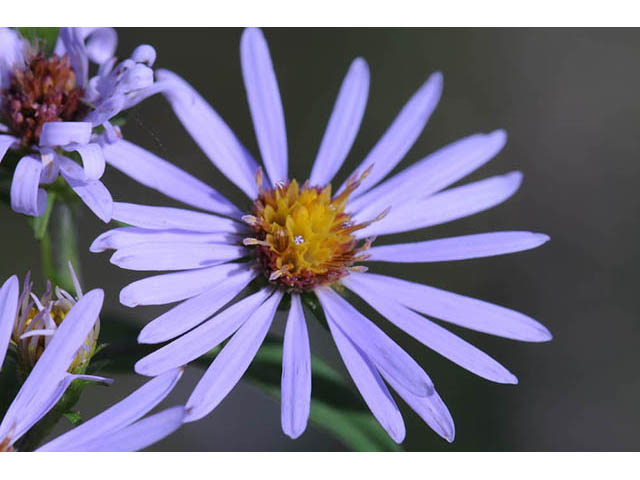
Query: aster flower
{"type": "Point", "coordinates": [302, 241]}
{"type": "Point", "coordinates": [119, 427]}
{"type": "Point", "coordinates": [49, 108]}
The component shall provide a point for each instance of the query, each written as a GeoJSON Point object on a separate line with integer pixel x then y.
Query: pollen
{"type": "Point", "coordinates": [41, 90]}
{"type": "Point", "coordinates": [303, 236]}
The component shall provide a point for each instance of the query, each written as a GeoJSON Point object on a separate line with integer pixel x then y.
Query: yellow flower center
{"type": "Point", "coordinates": [303, 236]}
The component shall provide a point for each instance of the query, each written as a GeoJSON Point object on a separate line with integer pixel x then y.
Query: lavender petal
{"type": "Point", "coordinates": [431, 174]}
{"type": "Point", "coordinates": [387, 355]}
{"type": "Point", "coordinates": [120, 415]}
{"type": "Point", "coordinates": [8, 309]}
{"type": "Point", "coordinates": [155, 172]}
{"type": "Point", "coordinates": [453, 308]}
{"type": "Point", "coordinates": [6, 142]}
{"type": "Point", "coordinates": [47, 401]}
{"type": "Point", "coordinates": [175, 256]}
{"type": "Point", "coordinates": [92, 159]}
{"type": "Point", "coordinates": [101, 44]}
{"type": "Point", "coordinates": [367, 379]}
{"type": "Point", "coordinates": [162, 218]}
{"type": "Point", "coordinates": [26, 196]}
{"type": "Point", "coordinates": [296, 372]}
{"type": "Point", "coordinates": [94, 195]}
{"type": "Point", "coordinates": [343, 125]}
{"type": "Point", "coordinates": [12, 50]}
{"type": "Point", "coordinates": [431, 409]}
{"type": "Point", "coordinates": [60, 134]}
{"type": "Point", "coordinates": [139, 435]}
{"type": "Point", "coordinates": [172, 287]}
{"type": "Point", "coordinates": [210, 132]}
{"type": "Point", "coordinates": [195, 310]}
{"type": "Point", "coordinates": [71, 42]}
{"type": "Point", "coordinates": [401, 135]}
{"type": "Point", "coordinates": [458, 248]}
{"type": "Point", "coordinates": [434, 336]}
{"type": "Point", "coordinates": [264, 102]}
{"type": "Point", "coordinates": [231, 363]}
{"type": "Point", "coordinates": [144, 54]}
{"type": "Point", "coordinates": [203, 338]}
{"type": "Point", "coordinates": [124, 237]}
{"type": "Point", "coordinates": [446, 206]}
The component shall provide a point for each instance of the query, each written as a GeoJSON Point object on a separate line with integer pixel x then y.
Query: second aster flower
{"type": "Point", "coordinates": [309, 240]}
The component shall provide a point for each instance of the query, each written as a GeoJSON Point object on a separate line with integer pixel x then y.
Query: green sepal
{"type": "Point", "coordinates": [74, 418]}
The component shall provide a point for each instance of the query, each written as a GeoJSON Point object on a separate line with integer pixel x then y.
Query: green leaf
{"type": "Point", "coordinates": [335, 406]}
{"type": "Point", "coordinates": [44, 36]}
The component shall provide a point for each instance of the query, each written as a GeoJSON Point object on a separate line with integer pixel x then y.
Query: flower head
{"type": "Point", "coordinates": [303, 236]}
{"type": "Point", "coordinates": [38, 319]}
{"type": "Point", "coordinates": [310, 241]}
{"type": "Point", "coordinates": [119, 427]}
{"type": "Point", "coordinates": [49, 108]}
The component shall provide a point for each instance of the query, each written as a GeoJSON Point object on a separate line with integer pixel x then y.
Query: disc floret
{"type": "Point", "coordinates": [42, 89]}
{"type": "Point", "coordinates": [304, 238]}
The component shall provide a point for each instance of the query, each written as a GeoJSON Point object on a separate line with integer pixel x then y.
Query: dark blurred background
{"type": "Point", "coordinates": [569, 101]}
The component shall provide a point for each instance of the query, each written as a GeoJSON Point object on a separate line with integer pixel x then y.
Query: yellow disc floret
{"type": "Point", "coordinates": [304, 237]}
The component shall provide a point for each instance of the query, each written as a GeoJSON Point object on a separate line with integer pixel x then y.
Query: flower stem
{"type": "Point", "coordinates": [59, 245]}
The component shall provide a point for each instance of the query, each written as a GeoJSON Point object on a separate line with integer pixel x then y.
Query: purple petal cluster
{"type": "Point", "coordinates": [208, 268]}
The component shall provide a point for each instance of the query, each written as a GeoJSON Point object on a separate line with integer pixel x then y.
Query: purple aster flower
{"type": "Point", "coordinates": [303, 240]}
{"type": "Point", "coordinates": [48, 105]}
{"type": "Point", "coordinates": [119, 427]}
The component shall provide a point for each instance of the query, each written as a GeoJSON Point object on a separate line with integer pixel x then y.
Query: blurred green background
{"type": "Point", "coordinates": [569, 101]}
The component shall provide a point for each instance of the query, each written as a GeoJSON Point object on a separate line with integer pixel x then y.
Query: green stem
{"type": "Point", "coordinates": [58, 234]}
{"type": "Point", "coordinates": [59, 245]}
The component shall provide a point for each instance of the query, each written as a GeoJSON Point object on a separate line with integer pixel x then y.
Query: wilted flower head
{"type": "Point", "coordinates": [308, 241]}
{"type": "Point", "coordinates": [119, 427]}
{"type": "Point", "coordinates": [49, 108]}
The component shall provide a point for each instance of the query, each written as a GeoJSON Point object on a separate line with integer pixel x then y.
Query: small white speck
{"type": "Point", "coordinates": [347, 224]}
{"type": "Point", "coordinates": [298, 239]}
